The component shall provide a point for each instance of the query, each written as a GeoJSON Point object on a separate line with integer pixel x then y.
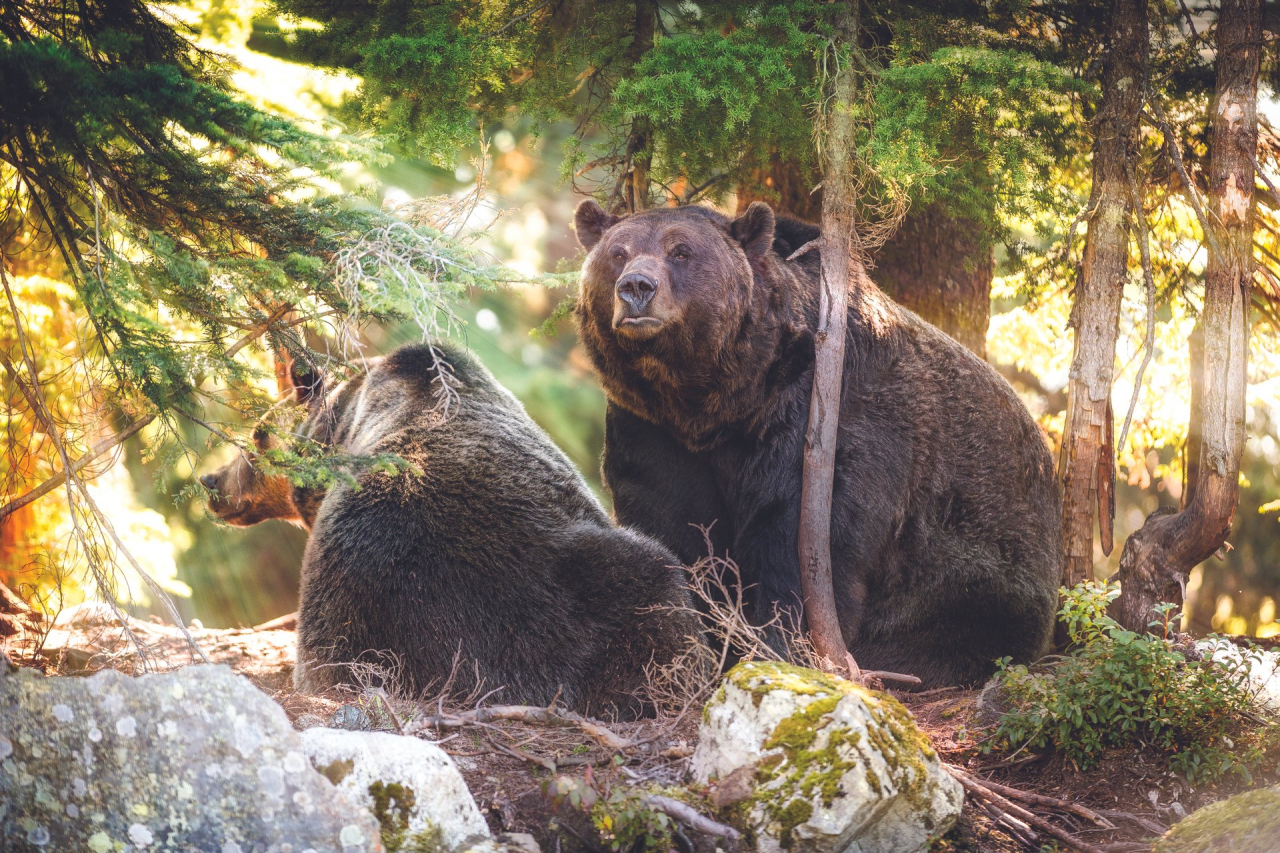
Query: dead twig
{"type": "Point", "coordinates": [1154, 827]}
{"type": "Point", "coordinates": [979, 789]}
{"type": "Point", "coordinates": [515, 752]}
{"type": "Point", "coordinates": [889, 676]}
{"type": "Point", "coordinates": [687, 815]}
{"type": "Point", "coordinates": [534, 715]}
{"type": "Point", "coordinates": [1010, 825]}
{"type": "Point", "coordinates": [1047, 801]}
{"type": "Point", "coordinates": [60, 477]}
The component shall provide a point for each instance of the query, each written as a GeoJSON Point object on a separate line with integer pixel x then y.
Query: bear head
{"type": "Point", "coordinates": [685, 312]}
{"type": "Point", "coordinates": [242, 493]}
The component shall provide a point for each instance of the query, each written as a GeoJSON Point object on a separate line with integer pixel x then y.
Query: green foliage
{"type": "Point", "coordinates": [706, 95]}
{"type": "Point", "coordinates": [975, 128]}
{"type": "Point", "coordinates": [723, 102]}
{"type": "Point", "coordinates": [195, 230]}
{"type": "Point", "coordinates": [1120, 689]}
{"type": "Point", "coordinates": [621, 814]}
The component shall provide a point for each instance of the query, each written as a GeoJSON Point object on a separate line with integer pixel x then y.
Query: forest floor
{"type": "Point", "coordinates": [508, 763]}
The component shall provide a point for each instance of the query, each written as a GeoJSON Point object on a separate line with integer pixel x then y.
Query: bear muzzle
{"type": "Point", "coordinates": [638, 303]}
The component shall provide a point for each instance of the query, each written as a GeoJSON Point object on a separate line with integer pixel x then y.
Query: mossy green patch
{"type": "Point", "coordinates": [759, 678]}
{"type": "Point", "coordinates": [1245, 823]}
{"type": "Point", "coordinates": [393, 806]}
{"type": "Point", "coordinates": [338, 770]}
{"type": "Point", "coordinates": [810, 758]}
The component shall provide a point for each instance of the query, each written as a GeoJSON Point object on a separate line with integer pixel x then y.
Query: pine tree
{"type": "Point", "coordinates": [189, 226]}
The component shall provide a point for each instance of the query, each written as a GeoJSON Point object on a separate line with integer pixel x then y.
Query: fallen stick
{"type": "Point", "coordinates": [522, 755]}
{"type": "Point", "coordinates": [1154, 827]}
{"type": "Point", "coordinates": [594, 729]}
{"type": "Point", "coordinates": [689, 816]}
{"type": "Point", "coordinates": [1021, 833]}
{"type": "Point", "coordinates": [1044, 800]}
{"type": "Point", "coordinates": [1035, 821]}
{"type": "Point", "coordinates": [889, 676]}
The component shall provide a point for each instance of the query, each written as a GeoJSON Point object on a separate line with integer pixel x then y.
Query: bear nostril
{"type": "Point", "coordinates": [636, 289]}
{"type": "Point", "coordinates": [209, 481]}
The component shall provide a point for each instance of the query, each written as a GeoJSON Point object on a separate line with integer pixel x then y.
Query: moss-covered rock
{"type": "Point", "coordinates": [412, 787]}
{"type": "Point", "coordinates": [837, 767]}
{"type": "Point", "coordinates": [198, 759]}
{"type": "Point", "coordinates": [1245, 823]}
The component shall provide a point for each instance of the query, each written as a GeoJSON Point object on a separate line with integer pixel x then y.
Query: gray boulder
{"type": "Point", "coordinates": [825, 766]}
{"type": "Point", "coordinates": [410, 785]}
{"type": "Point", "coordinates": [198, 759]}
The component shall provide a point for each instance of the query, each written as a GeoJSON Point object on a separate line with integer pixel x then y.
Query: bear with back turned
{"type": "Point", "coordinates": [945, 513]}
{"type": "Point", "coordinates": [493, 549]}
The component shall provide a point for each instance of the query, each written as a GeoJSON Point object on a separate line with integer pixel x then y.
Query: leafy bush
{"type": "Point", "coordinates": [621, 814]}
{"type": "Point", "coordinates": [1121, 689]}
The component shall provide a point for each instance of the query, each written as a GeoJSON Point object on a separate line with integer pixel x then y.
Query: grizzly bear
{"type": "Point", "coordinates": [492, 547]}
{"type": "Point", "coordinates": [945, 515]}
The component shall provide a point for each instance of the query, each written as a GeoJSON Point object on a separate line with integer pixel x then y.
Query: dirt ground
{"type": "Point", "coordinates": [508, 765]}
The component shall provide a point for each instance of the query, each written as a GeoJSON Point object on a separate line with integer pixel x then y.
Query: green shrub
{"type": "Point", "coordinates": [1120, 689]}
{"type": "Point", "coordinates": [621, 814]}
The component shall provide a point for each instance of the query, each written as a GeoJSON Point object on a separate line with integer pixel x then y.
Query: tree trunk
{"type": "Point", "coordinates": [941, 268]}
{"type": "Point", "coordinates": [936, 265]}
{"type": "Point", "coordinates": [1087, 462]}
{"type": "Point", "coordinates": [1158, 558]}
{"type": "Point", "coordinates": [1195, 422]}
{"type": "Point", "coordinates": [634, 194]}
{"type": "Point", "coordinates": [818, 479]}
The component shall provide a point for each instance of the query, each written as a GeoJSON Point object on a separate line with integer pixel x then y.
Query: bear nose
{"type": "Point", "coordinates": [209, 481]}
{"type": "Point", "coordinates": [636, 289]}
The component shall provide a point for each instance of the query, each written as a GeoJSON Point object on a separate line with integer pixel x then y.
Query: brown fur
{"type": "Point", "coordinates": [497, 548]}
{"type": "Point", "coordinates": [944, 530]}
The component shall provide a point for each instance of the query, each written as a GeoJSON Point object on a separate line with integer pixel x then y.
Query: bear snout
{"type": "Point", "coordinates": [636, 290]}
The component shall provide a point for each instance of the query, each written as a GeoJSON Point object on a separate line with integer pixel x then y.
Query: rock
{"type": "Point", "coordinates": [351, 718]}
{"type": "Point", "coordinates": [308, 721]}
{"type": "Point", "coordinates": [522, 841]}
{"type": "Point", "coordinates": [1245, 823]}
{"type": "Point", "coordinates": [1261, 667]}
{"type": "Point", "coordinates": [838, 768]}
{"type": "Point", "coordinates": [410, 785]}
{"type": "Point", "coordinates": [197, 759]}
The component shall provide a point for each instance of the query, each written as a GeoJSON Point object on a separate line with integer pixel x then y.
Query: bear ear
{"type": "Point", "coordinates": [754, 229]}
{"type": "Point", "coordinates": [308, 381]}
{"type": "Point", "coordinates": [590, 222]}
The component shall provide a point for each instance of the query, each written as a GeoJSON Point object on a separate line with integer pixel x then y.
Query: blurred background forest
{"type": "Point", "coordinates": [227, 577]}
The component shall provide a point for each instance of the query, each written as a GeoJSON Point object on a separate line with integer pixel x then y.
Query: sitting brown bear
{"type": "Point", "coordinates": [945, 516]}
{"type": "Point", "coordinates": [496, 548]}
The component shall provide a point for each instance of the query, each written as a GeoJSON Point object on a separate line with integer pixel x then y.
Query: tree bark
{"type": "Point", "coordinates": [1158, 558]}
{"type": "Point", "coordinates": [838, 256]}
{"type": "Point", "coordinates": [635, 179]}
{"type": "Point", "coordinates": [1195, 422]}
{"type": "Point", "coordinates": [1086, 466]}
{"type": "Point", "coordinates": [941, 268]}
{"type": "Point", "coordinates": [936, 265]}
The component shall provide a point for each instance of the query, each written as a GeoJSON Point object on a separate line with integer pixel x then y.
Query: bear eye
{"type": "Point", "coordinates": [680, 253]}
{"type": "Point", "coordinates": [619, 254]}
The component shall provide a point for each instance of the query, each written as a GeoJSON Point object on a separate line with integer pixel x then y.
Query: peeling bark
{"type": "Point", "coordinates": [1087, 463]}
{"type": "Point", "coordinates": [1158, 558]}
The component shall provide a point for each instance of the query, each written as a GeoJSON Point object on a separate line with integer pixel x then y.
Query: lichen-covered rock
{"type": "Point", "coordinates": [411, 786]}
{"type": "Point", "coordinates": [1245, 823]}
{"type": "Point", "coordinates": [837, 768]}
{"type": "Point", "coordinates": [197, 759]}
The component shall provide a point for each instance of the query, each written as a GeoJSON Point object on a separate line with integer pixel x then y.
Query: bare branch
{"type": "Point", "coordinates": [60, 477]}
